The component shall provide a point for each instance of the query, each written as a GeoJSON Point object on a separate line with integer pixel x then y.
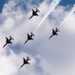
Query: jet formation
{"type": "Point", "coordinates": [29, 37]}
{"type": "Point", "coordinates": [34, 13]}
{"type": "Point", "coordinates": [54, 32]}
{"type": "Point", "coordinates": [8, 41]}
{"type": "Point", "coordinates": [25, 61]}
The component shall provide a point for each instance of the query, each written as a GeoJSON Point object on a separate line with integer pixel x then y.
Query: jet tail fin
{"type": "Point", "coordinates": [57, 29]}
{"type": "Point", "coordinates": [11, 38]}
{"type": "Point", "coordinates": [37, 10]}
{"type": "Point", "coordinates": [32, 34]}
{"type": "Point", "coordinates": [28, 58]}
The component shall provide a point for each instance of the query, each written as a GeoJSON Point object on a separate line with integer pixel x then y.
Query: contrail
{"type": "Point", "coordinates": [51, 8]}
{"type": "Point", "coordinates": [44, 1]}
{"type": "Point", "coordinates": [73, 9]}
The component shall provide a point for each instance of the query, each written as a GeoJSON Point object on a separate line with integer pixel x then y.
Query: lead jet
{"type": "Point", "coordinates": [54, 32]}
{"type": "Point", "coordinates": [8, 41]}
{"type": "Point", "coordinates": [25, 61]}
{"type": "Point", "coordinates": [29, 37]}
{"type": "Point", "coordinates": [34, 13]}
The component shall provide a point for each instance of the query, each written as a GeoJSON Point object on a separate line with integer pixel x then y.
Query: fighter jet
{"type": "Point", "coordinates": [8, 41]}
{"type": "Point", "coordinates": [29, 37]}
{"type": "Point", "coordinates": [25, 61]}
{"type": "Point", "coordinates": [54, 32]}
{"type": "Point", "coordinates": [34, 13]}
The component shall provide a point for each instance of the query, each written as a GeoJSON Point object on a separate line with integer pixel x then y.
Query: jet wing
{"type": "Point", "coordinates": [33, 11]}
{"type": "Point", "coordinates": [24, 60]}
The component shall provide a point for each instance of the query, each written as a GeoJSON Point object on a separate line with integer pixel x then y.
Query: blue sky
{"type": "Point", "coordinates": [67, 2]}
{"type": "Point", "coordinates": [63, 2]}
{"type": "Point", "coordinates": [2, 2]}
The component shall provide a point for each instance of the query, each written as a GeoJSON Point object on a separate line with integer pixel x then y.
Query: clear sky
{"type": "Point", "coordinates": [67, 2]}
{"type": "Point", "coordinates": [2, 2]}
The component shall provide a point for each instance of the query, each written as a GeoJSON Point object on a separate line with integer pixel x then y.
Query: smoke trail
{"type": "Point", "coordinates": [73, 9]}
{"type": "Point", "coordinates": [51, 8]}
{"type": "Point", "coordinates": [44, 1]}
